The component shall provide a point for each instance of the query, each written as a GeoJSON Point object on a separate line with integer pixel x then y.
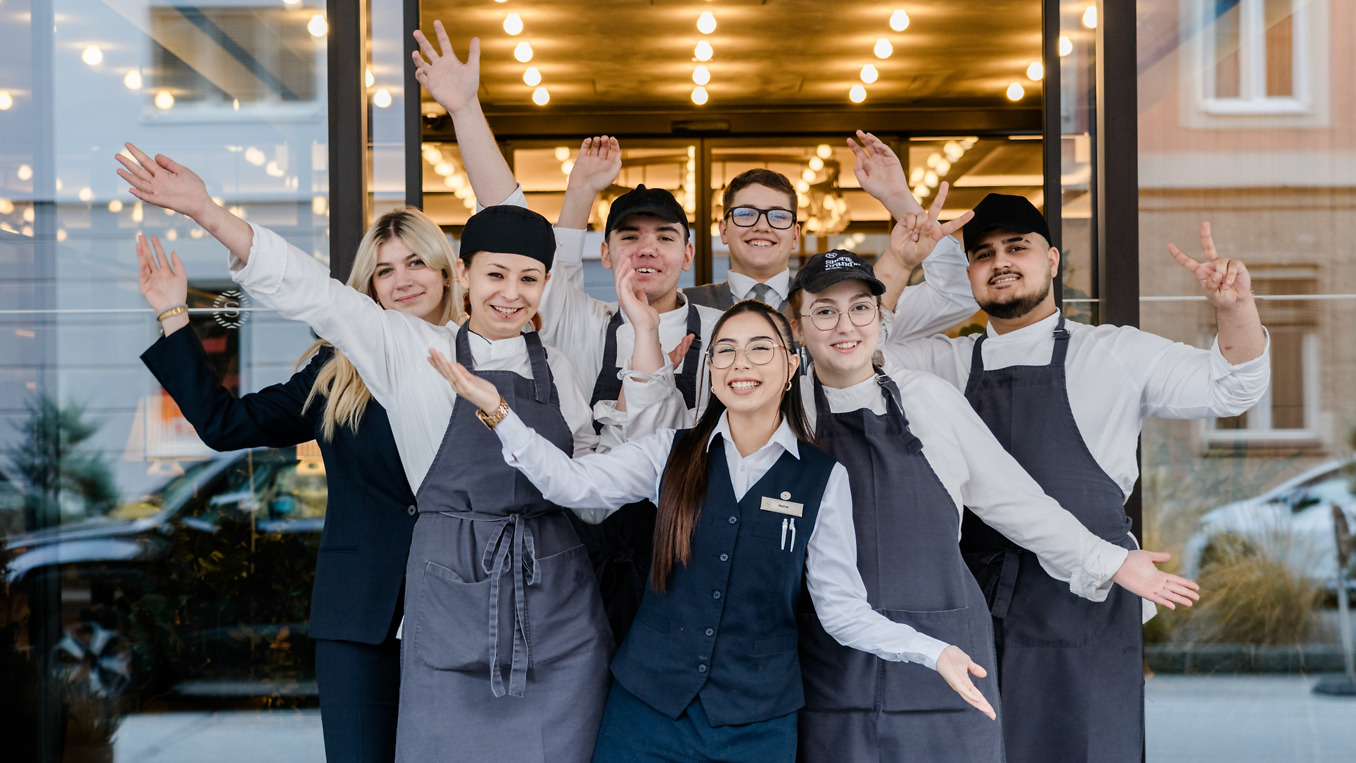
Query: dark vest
{"type": "Point", "coordinates": [725, 630]}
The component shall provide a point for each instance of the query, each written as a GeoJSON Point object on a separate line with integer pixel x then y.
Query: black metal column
{"type": "Point", "coordinates": [414, 122]}
{"type": "Point", "coordinates": [1117, 181]}
{"type": "Point", "coordinates": [347, 57]}
{"type": "Point", "coordinates": [1052, 143]}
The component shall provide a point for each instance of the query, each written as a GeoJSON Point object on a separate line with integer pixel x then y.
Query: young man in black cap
{"type": "Point", "coordinates": [1067, 401]}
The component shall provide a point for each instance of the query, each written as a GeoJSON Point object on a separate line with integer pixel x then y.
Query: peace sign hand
{"type": "Point", "coordinates": [452, 84]}
{"type": "Point", "coordinates": [916, 235]}
{"type": "Point", "coordinates": [1224, 281]}
{"type": "Point", "coordinates": [473, 389]}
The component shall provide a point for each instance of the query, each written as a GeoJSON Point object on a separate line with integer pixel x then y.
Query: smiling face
{"type": "Point", "coordinates": [504, 291]}
{"type": "Point", "coordinates": [759, 251]}
{"type": "Point", "coordinates": [1011, 273]}
{"type": "Point", "coordinates": [744, 387]}
{"type": "Point", "coordinates": [843, 353]}
{"type": "Point", "coordinates": [402, 281]}
{"type": "Point", "coordinates": [657, 249]}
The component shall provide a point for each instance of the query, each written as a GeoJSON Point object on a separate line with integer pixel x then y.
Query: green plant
{"type": "Point", "coordinates": [59, 467]}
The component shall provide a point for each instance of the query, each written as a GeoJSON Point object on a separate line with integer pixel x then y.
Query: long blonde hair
{"type": "Point", "coordinates": [338, 381]}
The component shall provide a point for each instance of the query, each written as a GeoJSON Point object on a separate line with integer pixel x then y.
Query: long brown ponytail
{"type": "Point", "coordinates": [686, 475]}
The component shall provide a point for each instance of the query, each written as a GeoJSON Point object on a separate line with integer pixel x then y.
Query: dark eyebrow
{"type": "Point", "coordinates": [751, 339]}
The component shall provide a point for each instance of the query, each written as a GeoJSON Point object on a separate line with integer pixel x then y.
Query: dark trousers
{"type": "Point", "coordinates": [634, 732]}
{"type": "Point", "coordinates": [359, 693]}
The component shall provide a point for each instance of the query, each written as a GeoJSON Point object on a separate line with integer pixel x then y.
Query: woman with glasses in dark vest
{"type": "Point", "coordinates": [749, 512]}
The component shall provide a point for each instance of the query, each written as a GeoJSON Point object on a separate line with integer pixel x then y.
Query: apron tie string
{"type": "Point", "coordinates": [511, 548]}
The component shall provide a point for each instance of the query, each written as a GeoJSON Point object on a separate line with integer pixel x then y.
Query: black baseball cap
{"type": "Point", "coordinates": [512, 230]}
{"type": "Point", "coordinates": [646, 201]}
{"type": "Point", "coordinates": [999, 210]}
{"type": "Point", "coordinates": [828, 268]}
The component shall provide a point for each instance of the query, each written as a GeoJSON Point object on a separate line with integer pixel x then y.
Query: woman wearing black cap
{"type": "Point", "coordinates": [748, 508]}
{"type": "Point", "coordinates": [497, 582]}
{"type": "Point", "coordinates": [910, 476]}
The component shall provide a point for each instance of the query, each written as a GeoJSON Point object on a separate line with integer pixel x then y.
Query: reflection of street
{"type": "Point", "coordinates": [1239, 719]}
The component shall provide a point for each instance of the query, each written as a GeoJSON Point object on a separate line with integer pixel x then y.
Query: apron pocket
{"type": "Point", "coordinates": [913, 687]}
{"type": "Point", "coordinates": [1044, 613]}
{"type": "Point", "coordinates": [835, 677]}
{"type": "Point", "coordinates": [564, 609]}
{"type": "Point", "coordinates": [451, 621]}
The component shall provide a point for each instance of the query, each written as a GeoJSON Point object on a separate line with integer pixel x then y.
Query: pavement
{"type": "Point", "coordinates": [1189, 719]}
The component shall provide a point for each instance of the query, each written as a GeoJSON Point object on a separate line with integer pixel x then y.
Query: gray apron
{"type": "Point", "coordinates": [1071, 671]}
{"type": "Point", "coordinates": [859, 707]}
{"type": "Point", "coordinates": [498, 584]}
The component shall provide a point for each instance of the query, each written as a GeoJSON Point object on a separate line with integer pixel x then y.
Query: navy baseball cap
{"type": "Point", "coordinates": [646, 201]}
{"type": "Point", "coordinates": [1001, 211]}
{"type": "Point", "coordinates": [828, 268]}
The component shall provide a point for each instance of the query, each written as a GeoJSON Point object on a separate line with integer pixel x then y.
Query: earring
{"type": "Point", "coordinates": [788, 386]}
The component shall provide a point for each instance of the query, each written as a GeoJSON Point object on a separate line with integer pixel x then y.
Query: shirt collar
{"type": "Point", "coordinates": [741, 285]}
{"type": "Point", "coordinates": [1044, 326]}
{"type": "Point", "coordinates": [782, 437]}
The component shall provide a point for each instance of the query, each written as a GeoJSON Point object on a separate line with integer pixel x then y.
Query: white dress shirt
{"type": "Point", "coordinates": [978, 473]}
{"type": "Point", "coordinates": [741, 286]}
{"type": "Point", "coordinates": [632, 472]}
{"type": "Point", "coordinates": [390, 349]}
{"type": "Point", "coordinates": [1117, 375]}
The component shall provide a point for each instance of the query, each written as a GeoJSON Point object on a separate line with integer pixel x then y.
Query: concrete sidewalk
{"type": "Point", "coordinates": [1233, 719]}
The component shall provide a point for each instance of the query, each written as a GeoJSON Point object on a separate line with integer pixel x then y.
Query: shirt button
{"type": "Point", "coordinates": [734, 519]}
{"type": "Point", "coordinates": [710, 631]}
{"type": "Point", "coordinates": [725, 557]}
{"type": "Point", "coordinates": [701, 668]}
{"type": "Point", "coordinates": [715, 594]}
{"type": "Point", "coordinates": [412, 510]}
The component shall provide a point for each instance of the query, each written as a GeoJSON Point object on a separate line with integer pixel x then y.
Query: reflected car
{"type": "Point", "coordinates": [205, 581]}
{"type": "Point", "coordinates": [1293, 523]}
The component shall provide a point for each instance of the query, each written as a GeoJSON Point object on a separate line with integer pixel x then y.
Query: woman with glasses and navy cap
{"type": "Point", "coordinates": [505, 646]}
{"type": "Point", "coordinates": [915, 453]}
{"type": "Point", "coordinates": [749, 511]}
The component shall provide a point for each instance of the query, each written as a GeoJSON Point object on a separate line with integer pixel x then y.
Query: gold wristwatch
{"type": "Point", "coordinates": [492, 420]}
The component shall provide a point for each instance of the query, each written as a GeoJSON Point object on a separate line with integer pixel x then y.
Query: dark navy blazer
{"type": "Point", "coordinates": [360, 569]}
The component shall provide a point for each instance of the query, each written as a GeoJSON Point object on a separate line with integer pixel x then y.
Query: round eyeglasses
{"type": "Point", "coordinates": [747, 217]}
{"type": "Point", "coordinates": [826, 318]}
{"type": "Point", "coordinates": [759, 353]}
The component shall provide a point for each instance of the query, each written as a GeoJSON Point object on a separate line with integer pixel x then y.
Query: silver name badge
{"type": "Point", "coordinates": [790, 508]}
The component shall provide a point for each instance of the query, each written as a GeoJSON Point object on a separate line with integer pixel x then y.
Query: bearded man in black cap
{"type": "Point", "coordinates": [1066, 400]}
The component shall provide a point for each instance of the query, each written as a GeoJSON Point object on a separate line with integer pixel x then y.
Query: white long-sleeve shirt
{"type": "Point", "coordinates": [632, 472]}
{"type": "Point", "coordinates": [977, 472]}
{"type": "Point", "coordinates": [1117, 375]}
{"type": "Point", "coordinates": [390, 349]}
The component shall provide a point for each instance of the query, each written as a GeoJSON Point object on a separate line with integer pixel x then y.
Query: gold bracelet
{"type": "Point", "coordinates": [171, 312]}
{"type": "Point", "coordinates": [492, 420]}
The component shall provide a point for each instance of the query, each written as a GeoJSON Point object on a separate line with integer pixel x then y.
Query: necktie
{"type": "Point", "coordinates": [760, 292]}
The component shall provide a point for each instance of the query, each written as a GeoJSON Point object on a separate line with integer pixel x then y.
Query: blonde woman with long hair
{"type": "Point", "coordinates": [404, 264]}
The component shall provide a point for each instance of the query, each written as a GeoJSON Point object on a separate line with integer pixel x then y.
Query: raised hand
{"type": "Point", "coordinates": [452, 84]}
{"type": "Point", "coordinates": [679, 352]}
{"type": "Point", "coordinates": [164, 283]}
{"type": "Point", "coordinates": [1225, 282]}
{"type": "Point", "coordinates": [471, 388]}
{"type": "Point", "coordinates": [881, 174]}
{"type": "Point", "coordinates": [1139, 575]}
{"type": "Point", "coordinates": [165, 183]}
{"type": "Point", "coordinates": [956, 667]}
{"type": "Point", "coordinates": [631, 298]}
{"type": "Point", "coordinates": [597, 165]}
{"type": "Point", "coordinates": [916, 235]}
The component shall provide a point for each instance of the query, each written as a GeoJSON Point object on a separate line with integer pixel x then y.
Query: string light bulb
{"type": "Point", "coordinates": [523, 52]}
{"type": "Point", "coordinates": [701, 75]}
{"type": "Point", "coordinates": [884, 48]}
{"type": "Point", "coordinates": [317, 26]}
{"type": "Point", "coordinates": [132, 80]}
{"type": "Point", "coordinates": [1016, 91]}
{"type": "Point", "coordinates": [1065, 46]}
{"type": "Point", "coordinates": [703, 51]}
{"type": "Point", "coordinates": [706, 23]}
{"type": "Point", "coordinates": [857, 94]}
{"type": "Point", "coordinates": [824, 151]}
{"type": "Point", "coordinates": [1035, 71]}
{"type": "Point", "coordinates": [699, 95]}
{"type": "Point", "coordinates": [541, 97]}
{"type": "Point", "coordinates": [899, 20]}
{"type": "Point", "coordinates": [1090, 17]}
{"type": "Point", "coordinates": [869, 74]}
{"type": "Point", "coordinates": [532, 77]}
{"type": "Point", "coordinates": [513, 24]}
{"type": "Point", "coordinates": [92, 55]}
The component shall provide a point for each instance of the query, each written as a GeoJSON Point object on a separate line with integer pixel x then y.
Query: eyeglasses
{"type": "Point", "coordinates": [826, 318]}
{"type": "Point", "coordinates": [747, 217]}
{"type": "Point", "coordinates": [759, 353]}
